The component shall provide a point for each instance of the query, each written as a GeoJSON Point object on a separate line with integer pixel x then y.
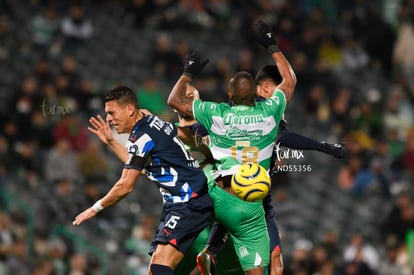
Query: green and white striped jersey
{"type": "Point", "coordinates": [245, 133]}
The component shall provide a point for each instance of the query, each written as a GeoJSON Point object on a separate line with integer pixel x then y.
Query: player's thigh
{"type": "Point", "coordinates": [252, 245]}
{"type": "Point", "coordinates": [274, 234]}
{"type": "Point", "coordinates": [188, 263]}
{"type": "Point", "coordinates": [166, 254]}
{"type": "Point", "coordinates": [255, 271]}
{"type": "Point", "coordinates": [183, 223]}
{"type": "Point", "coordinates": [253, 252]}
{"type": "Point", "coordinates": [227, 261]}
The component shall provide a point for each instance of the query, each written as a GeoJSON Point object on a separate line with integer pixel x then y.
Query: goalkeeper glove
{"type": "Point", "coordinates": [193, 65]}
{"type": "Point", "coordinates": [265, 37]}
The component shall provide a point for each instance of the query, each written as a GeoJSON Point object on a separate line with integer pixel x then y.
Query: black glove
{"type": "Point", "coordinates": [193, 65]}
{"type": "Point", "coordinates": [265, 37]}
{"type": "Point", "coordinates": [337, 149]}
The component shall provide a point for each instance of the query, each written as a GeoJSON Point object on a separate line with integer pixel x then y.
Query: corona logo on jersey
{"type": "Point", "coordinates": [251, 182]}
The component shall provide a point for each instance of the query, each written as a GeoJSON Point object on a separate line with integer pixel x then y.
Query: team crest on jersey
{"type": "Point", "coordinates": [133, 149]}
{"type": "Point", "coordinates": [133, 137]}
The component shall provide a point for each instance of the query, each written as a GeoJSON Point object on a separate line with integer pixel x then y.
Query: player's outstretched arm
{"type": "Point", "coordinates": [267, 40]}
{"type": "Point", "coordinates": [121, 188]}
{"type": "Point", "coordinates": [297, 141]}
{"type": "Point", "coordinates": [291, 139]}
{"type": "Point", "coordinates": [102, 130]}
{"type": "Point", "coordinates": [178, 98]}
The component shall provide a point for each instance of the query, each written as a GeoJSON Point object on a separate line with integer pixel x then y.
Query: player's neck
{"type": "Point", "coordinates": [184, 122]}
{"type": "Point", "coordinates": [135, 118]}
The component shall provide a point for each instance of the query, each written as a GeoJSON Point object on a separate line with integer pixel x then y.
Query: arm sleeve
{"type": "Point", "coordinates": [139, 148]}
{"type": "Point", "coordinates": [203, 112]}
{"type": "Point", "coordinates": [290, 139]}
{"type": "Point", "coordinates": [294, 140]}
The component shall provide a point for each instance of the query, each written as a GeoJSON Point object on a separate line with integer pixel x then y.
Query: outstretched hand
{"type": "Point", "coordinates": [101, 129]}
{"type": "Point", "coordinates": [337, 150]}
{"type": "Point", "coordinates": [85, 215]}
{"type": "Point", "coordinates": [194, 65]}
{"type": "Point", "coordinates": [265, 37]}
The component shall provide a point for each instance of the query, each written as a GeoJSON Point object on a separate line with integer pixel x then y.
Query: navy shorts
{"type": "Point", "coordinates": [272, 228]}
{"type": "Point", "coordinates": [182, 222]}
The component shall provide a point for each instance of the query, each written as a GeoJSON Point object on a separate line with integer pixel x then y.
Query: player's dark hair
{"type": "Point", "coordinates": [243, 88]}
{"type": "Point", "coordinates": [122, 95]}
{"type": "Point", "coordinates": [268, 72]}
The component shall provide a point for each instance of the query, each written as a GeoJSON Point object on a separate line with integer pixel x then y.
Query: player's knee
{"type": "Point", "coordinates": [157, 269]}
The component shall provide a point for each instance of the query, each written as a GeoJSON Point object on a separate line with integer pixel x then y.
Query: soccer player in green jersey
{"type": "Point", "coordinates": [245, 131]}
{"type": "Point", "coordinates": [227, 260]}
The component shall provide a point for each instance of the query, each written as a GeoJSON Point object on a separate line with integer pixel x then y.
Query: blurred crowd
{"type": "Point", "coordinates": [354, 61]}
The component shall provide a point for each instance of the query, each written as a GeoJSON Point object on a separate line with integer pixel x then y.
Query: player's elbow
{"type": "Point", "coordinates": [181, 108]}
{"type": "Point", "coordinates": [291, 81]}
{"type": "Point", "coordinates": [289, 85]}
{"type": "Point", "coordinates": [125, 187]}
{"type": "Point", "coordinates": [129, 191]}
{"type": "Point", "coordinates": [172, 103]}
{"type": "Point", "coordinates": [124, 191]}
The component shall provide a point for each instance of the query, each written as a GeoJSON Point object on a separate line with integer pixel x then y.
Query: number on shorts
{"type": "Point", "coordinates": [172, 222]}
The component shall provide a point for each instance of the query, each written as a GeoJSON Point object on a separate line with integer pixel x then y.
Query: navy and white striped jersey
{"type": "Point", "coordinates": [153, 146]}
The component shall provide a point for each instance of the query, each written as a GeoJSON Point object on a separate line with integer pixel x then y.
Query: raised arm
{"type": "Point", "coordinates": [267, 40]}
{"type": "Point", "coordinates": [179, 99]}
{"type": "Point", "coordinates": [288, 83]}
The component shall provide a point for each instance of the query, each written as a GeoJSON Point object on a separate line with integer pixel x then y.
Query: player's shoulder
{"type": "Point", "coordinates": [152, 124]}
{"type": "Point", "coordinates": [282, 95]}
{"type": "Point", "coordinates": [211, 106]}
{"type": "Point", "coordinates": [279, 92]}
{"type": "Point", "coordinates": [277, 97]}
{"type": "Point", "coordinates": [201, 101]}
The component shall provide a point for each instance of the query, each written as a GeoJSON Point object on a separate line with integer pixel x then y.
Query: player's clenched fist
{"type": "Point", "coordinates": [265, 37]}
{"type": "Point", "coordinates": [194, 65]}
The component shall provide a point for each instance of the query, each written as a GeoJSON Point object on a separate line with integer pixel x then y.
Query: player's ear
{"type": "Point", "coordinates": [268, 87]}
{"type": "Point", "coordinates": [265, 85]}
{"type": "Point", "coordinates": [230, 95]}
{"type": "Point", "coordinates": [130, 110]}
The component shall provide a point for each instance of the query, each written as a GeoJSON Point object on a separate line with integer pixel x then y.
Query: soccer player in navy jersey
{"type": "Point", "coordinates": [228, 263]}
{"type": "Point", "coordinates": [267, 80]}
{"type": "Point", "coordinates": [154, 148]}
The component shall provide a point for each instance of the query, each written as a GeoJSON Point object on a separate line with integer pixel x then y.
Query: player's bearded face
{"type": "Point", "coordinates": [117, 117]}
